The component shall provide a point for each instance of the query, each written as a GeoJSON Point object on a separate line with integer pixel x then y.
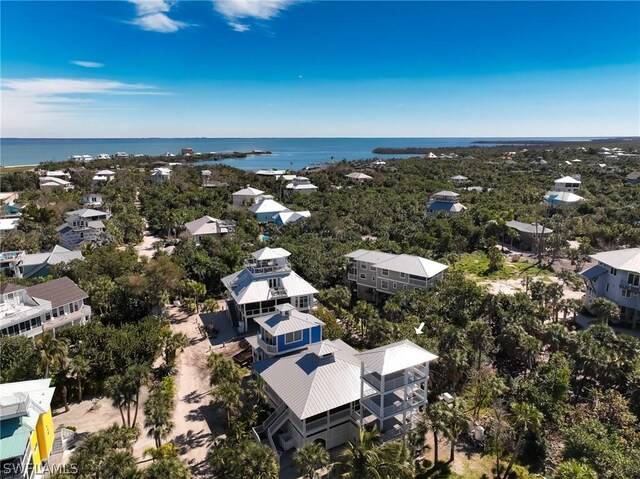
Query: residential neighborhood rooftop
{"type": "Point", "coordinates": [622, 259]}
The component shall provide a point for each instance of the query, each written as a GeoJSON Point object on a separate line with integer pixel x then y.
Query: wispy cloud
{"type": "Point", "coordinates": [82, 63]}
{"type": "Point", "coordinates": [237, 12]}
{"type": "Point", "coordinates": [152, 15]}
{"type": "Point", "coordinates": [32, 103]}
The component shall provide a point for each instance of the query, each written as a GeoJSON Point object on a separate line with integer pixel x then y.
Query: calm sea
{"type": "Point", "coordinates": [292, 153]}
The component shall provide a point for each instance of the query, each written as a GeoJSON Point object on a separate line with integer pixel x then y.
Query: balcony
{"type": "Point", "coordinates": [418, 282]}
{"type": "Point", "coordinates": [258, 269]}
{"type": "Point", "coordinates": [67, 319]}
{"type": "Point", "coordinates": [413, 375]}
{"type": "Point", "coordinates": [278, 292]}
{"type": "Point", "coordinates": [630, 286]}
{"type": "Point", "coordinates": [268, 348]}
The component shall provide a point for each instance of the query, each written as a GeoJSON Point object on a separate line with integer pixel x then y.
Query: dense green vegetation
{"type": "Point", "coordinates": [552, 400]}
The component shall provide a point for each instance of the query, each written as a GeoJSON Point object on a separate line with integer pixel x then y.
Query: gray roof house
{"type": "Point", "coordinates": [325, 392]}
{"type": "Point", "coordinates": [19, 264]}
{"type": "Point", "coordinates": [528, 236]}
{"type": "Point", "coordinates": [616, 277]}
{"type": "Point", "coordinates": [376, 275]}
{"type": "Point", "coordinates": [633, 178]}
{"type": "Point", "coordinates": [248, 195]}
{"type": "Point", "coordinates": [446, 202]}
{"type": "Point", "coordinates": [209, 227]}
{"type": "Point", "coordinates": [83, 226]}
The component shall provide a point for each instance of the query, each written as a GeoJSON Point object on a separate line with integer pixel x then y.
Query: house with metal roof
{"type": "Point", "coordinates": [288, 216]}
{"type": "Point", "coordinates": [563, 193]}
{"type": "Point", "coordinates": [266, 208]}
{"type": "Point", "coordinates": [208, 227]}
{"type": "Point", "coordinates": [616, 277]}
{"type": "Point", "coordinates": [48, 183]}
{"type": "Point", "coordinates": [301, 185]}
{"type": "Point", "coordinates": [19, 264]}
{"type": "Point", "coordinates": [83, 226]}
{"type": "Point", "coordinates": [266, 281]}
{"type": "Point", "coordinates": [376, 275]}
{"type": "Point", "coordinates": [284, 331]}
{"type": "Point", "coordinates": [633, 178]}
{"type": "Point", "coordinates": [326, 391]}
{"type": "Point", "coordinates": [30, 311]}
{"type": "Point", "coordinates": [528, 236]}
{"type": "Point", "coordinates": [459, 180]}
{"type": "Point", "coordinates": [566, 183]}
{"type": "Point", "coordinates": [246, 195]}
{"type": "Point", "coordinates": [91, 200]}
{"type": "Point", "coordinates": [358, 177]}
{"type": "Point", "coordinates": [26, 428]}
{"type": "Point", "coordinates": [160, 175]}
{"type": "Point", "coordinates": [446, 202]}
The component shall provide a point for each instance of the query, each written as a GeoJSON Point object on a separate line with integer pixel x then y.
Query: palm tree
{"type": "Point", "coordinates": [158, 413]}
{"type": "Point", "coordinates": [479, 335]}
{"type": "Point", "coordinates": [436, 419]}
{"type": "Point", "coordinates": [605, 310]}
{"type": "Point", "coordinates": [457, 421]}
{"type": "Point", "coordinates": [79, 369]}
{"type": "Point", "coordinates": [367, 460]}
{"type": "Point", "coordinates": [138, 376]}
{"type": "Point", "coordinates": [50, 350]}
{"type": "Point", "coordinates": [309, 459]}
{"type": "Point", "coordinates": [119, 396]}
{"type": "Point", "coordinates": [227, 394]}
{"type": "Point", "coordinates": [223, 370]}
{"type": "Point", "coordinates": [525, 418]}
{"type": "Point", "coordinates": [172, 344]}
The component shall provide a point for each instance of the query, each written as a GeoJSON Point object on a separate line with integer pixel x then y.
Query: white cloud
{"type": "Point", "coordinates": [152, 16]}
{"type": "Point", "coordinates": [36, 104]}
{"type": "Point", "coordinates": [235, 10]}
{"type": "Point", "coordinates": [85, 64]}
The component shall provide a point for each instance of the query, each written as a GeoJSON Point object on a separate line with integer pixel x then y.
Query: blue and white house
{"type": "Point", "coordinates": [266, 208]}
{"type": "Point", "coordinates": [285, 331]}
{"type": "Point", "coordinates": [446, 202]}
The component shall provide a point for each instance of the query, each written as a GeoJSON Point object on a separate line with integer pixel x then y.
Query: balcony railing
{"type": "Point", "coordinates": [413, 375]}
{"type": "Point", "coordinates": [257, 269]}
{"type": "Point", "coordinates": [630, 286]}
{"type": "Point", "coordinates": [316, 424]}
{"type": "Point", "coordinates": [269, 348]}
{"type": "Point", "coordinates": [278, 292]}
{"type": "Point", "coordinates": [67, 319]}
{"type": "Point", "coordinates": [417, 282]}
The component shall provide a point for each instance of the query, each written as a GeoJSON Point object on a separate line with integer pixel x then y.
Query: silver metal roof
{"type": "Point", "coordinates": [531, 228]}
{"type": "Point", "coordinates": [278, 324]}
{"type": "Point", "coordinates": [395, 357]}
{"type": "Point", "coordinates": [401, 263]}
{"type": "Point", "coordinates": [245, 288]}
{"type": "Point", "coordinates": [622, 259]}
{"type": "Point", "coordinates": [270, 253]}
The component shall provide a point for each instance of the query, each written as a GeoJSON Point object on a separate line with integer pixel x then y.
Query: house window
{"type": "Point", "coordinates": [395, 285]}
{"type": "Point", "coordinates": [626, 293]}
{"type": "Point", "coordinates": [47, 317]}
{"type": "Point", "coordinates": [373, 277]}
{"type": "Point", "coordinates": [614, 271]}
{"type": "Point", "coordinates": [403, 275]}
{"type": "Point", "coordinates": [60, 311]}
{"type": "Point", "coordinates": [363, 266]}
{"type": "Point", "coordinates": [363, 276]}
{"type": "Point", "coordinates": [404, 286]}
{"type": "Point", "coordinates": [293, 337]}
{"type": "Point", "coordinates": [634, 279]}
{"type": "Point", "coordinates": [607, 287]}
{"type": "Point", "coordinates": [385, 272]}
{"type": "Point", "coordinates": [385, 284]}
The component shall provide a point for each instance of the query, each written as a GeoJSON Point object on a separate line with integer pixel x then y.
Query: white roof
{"type": "Point", "coordinates": [278, 323]}
{"type": "Point", "coordinates": [459, 177]}
{"type": "Point", "coordinates": [248, 191]}
{"type": "Point", "coordinates": [358, 176]}
{"type": "Point", "coordinates": [311, 383]}
{"type": "Point", "coordinates": [245, 288]}
{"type": "Point", "coordinates": [86, 213]}
{"type": "Point", "coordinates": [292, 216]}
{"type": "Point", "coordinates": [563, 197]}
{"type": "Point", "coordinates": [307, 186]}
{"type": "Point", "coordinates": [99, 178]}
{"type": "Point", "coordinates": [270, 253]}
{"type": "Point", "coordinates": [8, 224]}
{"type": "Point", "coordinates": [270, 172]}
{"type": "Point", "coordinates": [395, 357]}
{"type": "Point", "coordinates": [205, 226]}
{"type": "Point", "coordinates": [446, 193]}
{"type": "Point", "coordinates": [161, 171]}
{"type": "Point", "coordinates": [39, 391]}
{"type": "Point", "coordinates": [47, 180]}
{"type": "Point", "coordinates": [105, 173]}
{"type": "Point", "coordinates": [402, 263]}
{"type": "Point", "coordinates": [267, 206]}
{"type": "Point", "coordinates": [622, 259]}
{"type": "Point", "coordinates": [567, 179]}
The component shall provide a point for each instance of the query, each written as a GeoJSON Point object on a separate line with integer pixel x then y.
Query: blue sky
{"type": "Point", "coordinates": [245, 68]}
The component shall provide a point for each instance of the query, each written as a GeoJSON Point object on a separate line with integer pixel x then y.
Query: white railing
{"type": "Point", "coordinates": [371, 379]}
{"type": "Point", "coordinates": [269, 269]}
{"type": "Point", "coordinates": [269, 348]}
{"type": "Point", "coordinates": [316, 424]}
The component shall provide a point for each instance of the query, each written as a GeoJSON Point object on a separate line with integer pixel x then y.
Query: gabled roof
{"type": "Point", "coordinates": [369, 256]}
{"type": "Point", "coordinates": [86, 213]}
{"type": "Point", "coordinates": [414, 265]}
{"type": "Point", "coordinates": [106, 173]}
{"type": "Point", "coordinates": [248, 191]}
{"type": "Point", "coordinates": [567, 179]}
{"type": "Point", "coordinates": [622, 259]}
{"type": "Point", "coordinates": [59, 291]}
{"type": "Point", "coordinates": [204, 226]}
{"type": "Point", "coordinates": [267, 206]}
{"type": "Point", "coordinates": [634, 175]}
{"type": "Point", "coordinates": [310, 383]}
{"type": "Point", "coordinates": [395, 357]}
{"type": "Point", "coordinates": [267, 253]}
{"type": "Point", "coordinates": [57, 255]}
{"type": "Point", "coordinates": [285, 322]}
{"type": "Point", "coordinates": [49, 180]}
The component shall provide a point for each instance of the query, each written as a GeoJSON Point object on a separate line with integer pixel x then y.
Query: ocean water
{"type": "Point", "coordinates": [288, 153]}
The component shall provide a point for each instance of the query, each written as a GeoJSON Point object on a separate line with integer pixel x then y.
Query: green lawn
{"type": "Point", "coordinates": [476, 265]}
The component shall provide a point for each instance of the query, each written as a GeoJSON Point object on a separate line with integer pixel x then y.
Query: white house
{"type": "Point", "coordinates": [246, 195]}
{"type": "Point", "coordinates": [266, 281]}
{"type": "Point", "coordinates": [302, 185]}
{"type": "Point", "coordinates": [616, 277]}
{"type": "Point", "coordinates": [273, 173]}
{"type": "Point", "coordinates": [447, 202]}
{"type": "Point", "coordinates": [561, 198]}
{"type": "Point", "coordinates": [48, 183]}
{"type": "Point", "coordinates": [104, 176]}
{"type": "Point", "coordinates": [376, 275]}
{"type": "Point", "coordinates": [92, 200]}
{"type": "Point", "coordinates": [266, 208]}
{"type": "Point", "coordinates": [31, 310]}
{"type": "Point", "coordinates": [83, 226]}
{"type": "Point", "coordinates": [160, 175]}
{"type": "Point", "coordinates": [459, 180]}
{"type": "Point", "coordinates": [325, 392]}
{"type": "Point", "coordinates": [209, 227]}
{"type": "Point", "coordinates": [103, 156]}
{"type": "Point", "coordinates": [566, 183]}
